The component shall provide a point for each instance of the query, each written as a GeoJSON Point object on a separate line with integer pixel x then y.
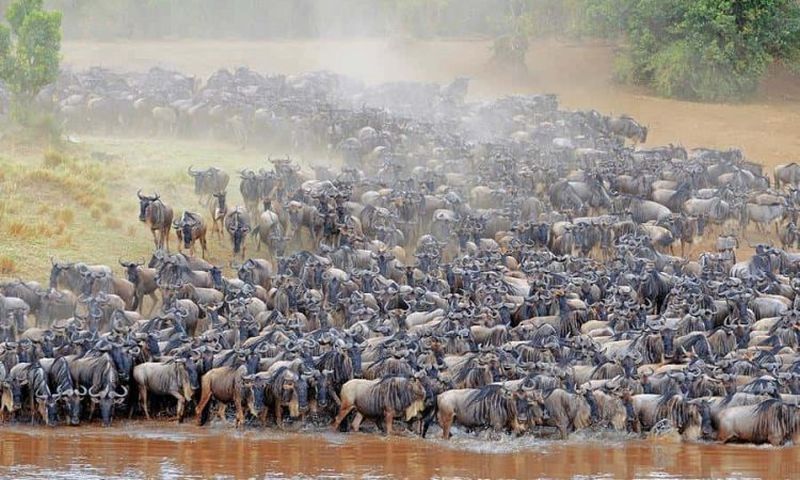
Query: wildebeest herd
{"type": "Point", "coordinates": [499, 265]}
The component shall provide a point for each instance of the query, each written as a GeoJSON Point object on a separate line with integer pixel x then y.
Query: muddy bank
{"type": "Point", "coordinates": [168, 451]}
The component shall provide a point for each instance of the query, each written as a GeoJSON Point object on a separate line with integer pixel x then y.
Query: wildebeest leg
{"type": "Point", "coordinates": [388, 418]}
{"type": "Point", "coordinates": [204, 399]}
{"type": "Point", "coordinates": [445, 421]}
{"type": "Point", "coordinates": [154, 300]}
{"type": "Point", "coordinates": [563, 430]}
{"type": "Point", "coordinates": [239, 413]}
{"type": "Point", "coordinates": [181, 407]}
{"type": "Point", "coordinates": [156, 240]}
{"type": "Point", "coordinates": [279, 416]}
{"type": "Point", "coordinates": [203, 245]}
{"type": "Point", "coordinates": [344, 409]}
{"type": "Point", "coordinates": [143, 402]}
{"type": "Point", "coordinates": [356, 424]}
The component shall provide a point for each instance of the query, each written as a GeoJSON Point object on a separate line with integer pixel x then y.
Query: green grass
{"type": "Point", "coordinates": [65, 204]}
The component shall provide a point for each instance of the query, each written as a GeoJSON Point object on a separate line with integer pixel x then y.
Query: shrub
{"type": "Point", "coordinates": [700, 49]}
{"type": "Point", "coordinates": [29, 52]}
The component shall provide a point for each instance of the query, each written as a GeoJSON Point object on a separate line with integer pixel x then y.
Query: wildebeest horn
{"type": "Point", "coordinates": [139, 194]}
{"type": "Point", "coordinates": [120, 395]}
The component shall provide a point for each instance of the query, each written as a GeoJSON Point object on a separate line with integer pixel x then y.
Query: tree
{"type": "Point", "coordinates": [700, 49]}
{"type": "Point", "coordinates": [29, 50]}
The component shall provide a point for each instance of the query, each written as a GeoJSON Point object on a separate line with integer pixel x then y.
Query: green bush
{"type": "Point", "coordinates": [29, 51]}
{"type": "Point", "coordinates": [707, 50]}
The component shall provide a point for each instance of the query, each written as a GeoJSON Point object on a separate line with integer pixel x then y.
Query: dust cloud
{"type": "Point", "coordinates": [581, 75]}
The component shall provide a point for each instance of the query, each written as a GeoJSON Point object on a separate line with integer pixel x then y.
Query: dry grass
{"type": "Point", "coordinates": [7, 265]}
{"type": "Point", "coordinates": [65, 204]}
{"type": "Point", "coordinates": [20, 230]}
{"type": "Point", "coordinates": [53, 159]}
{"type": "Point", "coordinates": [65, 215]}
{"type": "Point", "coordinates": [112, 223]}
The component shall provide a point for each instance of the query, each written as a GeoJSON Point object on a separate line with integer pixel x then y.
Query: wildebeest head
{"type": "Point", "coordinates": [144, 202]}
{"type": "Point", "coordinates": [318, 381]}
{"type": "Point", "coordinates": [106, 399]}
{"type": "Point", "coordinates": [71, 399]}
{"type": "Point", "coordinates": [124, 358]}
{"type": "Point", "coordinates": [56, 270]}
{"type": "Point", "coordinates": [245, 272]}
{"type": "Point", "coordinates": [530, 405]}
{"type": "Point", "coordinates": [192, 371]}
{"type": "Point", "coordinates": [131, 270]}
{"type": "Point", "coordinates": [199, 178]}
{"type": "Point", "coordinates": [47, 406]}
{"type": "Point", "coordinates": [216, 277]}
{"type": "Point", "coordinates": [14, 387]}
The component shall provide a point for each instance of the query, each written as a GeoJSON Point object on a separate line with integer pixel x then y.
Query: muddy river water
{"type": "Point", "coordinates": [139, 450]}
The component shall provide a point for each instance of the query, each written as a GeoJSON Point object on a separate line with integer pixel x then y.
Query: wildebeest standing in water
{"type": "Point", "coordinates": [158, 216]}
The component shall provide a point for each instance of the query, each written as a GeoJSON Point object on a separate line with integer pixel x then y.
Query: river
{"type": "Point", "coordinates": [158, 450]}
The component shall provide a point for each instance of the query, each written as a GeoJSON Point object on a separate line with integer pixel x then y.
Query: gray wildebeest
{"type": "Point", "coordinates": [176, 378]}
{"type": "Point", "coordinates": [627, 127]}
{"type": "Point", "coordinates": [385, 398]}
{"type": "Point", "coordinates": [492, 405]}
{"type": "Point", "coordinates": [158, 216]}
{"type": "Point", "coordinates": [165, 119]}
{"type": "Point", "coordinates": [209, 181]}
{"type": "Point", "coordinates": [787, 173]}
{"type": "Point", "coordinates": [770, 421]}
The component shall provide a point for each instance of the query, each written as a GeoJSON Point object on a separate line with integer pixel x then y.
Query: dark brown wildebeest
{"type": "Point", "coordinates": [158, 216]}
{"type": "Point", "coordinates": [219, 210]}
{"type": "Point", "coordinates": [189, 229]}
{"type": "Point", "coordinates": [237, 224]}
{"type": "Point", "coordinates": [144, 282]}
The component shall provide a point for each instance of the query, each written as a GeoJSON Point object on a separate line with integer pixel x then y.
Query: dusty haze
{"type": "Point", "coordinates": [767, 128]}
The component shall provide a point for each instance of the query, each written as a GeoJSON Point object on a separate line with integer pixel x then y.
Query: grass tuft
{"type": "Point", "coordinates": [54, 159]}
{"type": "Point", "coordinates": [7, 265]}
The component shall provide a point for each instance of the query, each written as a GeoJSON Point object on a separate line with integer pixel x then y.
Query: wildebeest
{"type": "Point", "coordinates": [492, 405]}
{"type": "Point", "coordinates": [144, 281]}
{"type": "Point", "coordinates": [158, 216]}
{"type": "Point", "coordinates": [788, 174]}
{"type": "Point", "coordinates": [190, 228]}
{"type": "Point", "coordinates": [384, 399]}
{"type": "Point", "coordinates": [209, 181]}
{"type": "Point", "coordinates": [237, 224]}
{"type": "Point", "coordinates": [627, 127]}
{"type": "Point", "coordinates": [177, 378]}
{"type": "Point", "coordinates": [770, 421]}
